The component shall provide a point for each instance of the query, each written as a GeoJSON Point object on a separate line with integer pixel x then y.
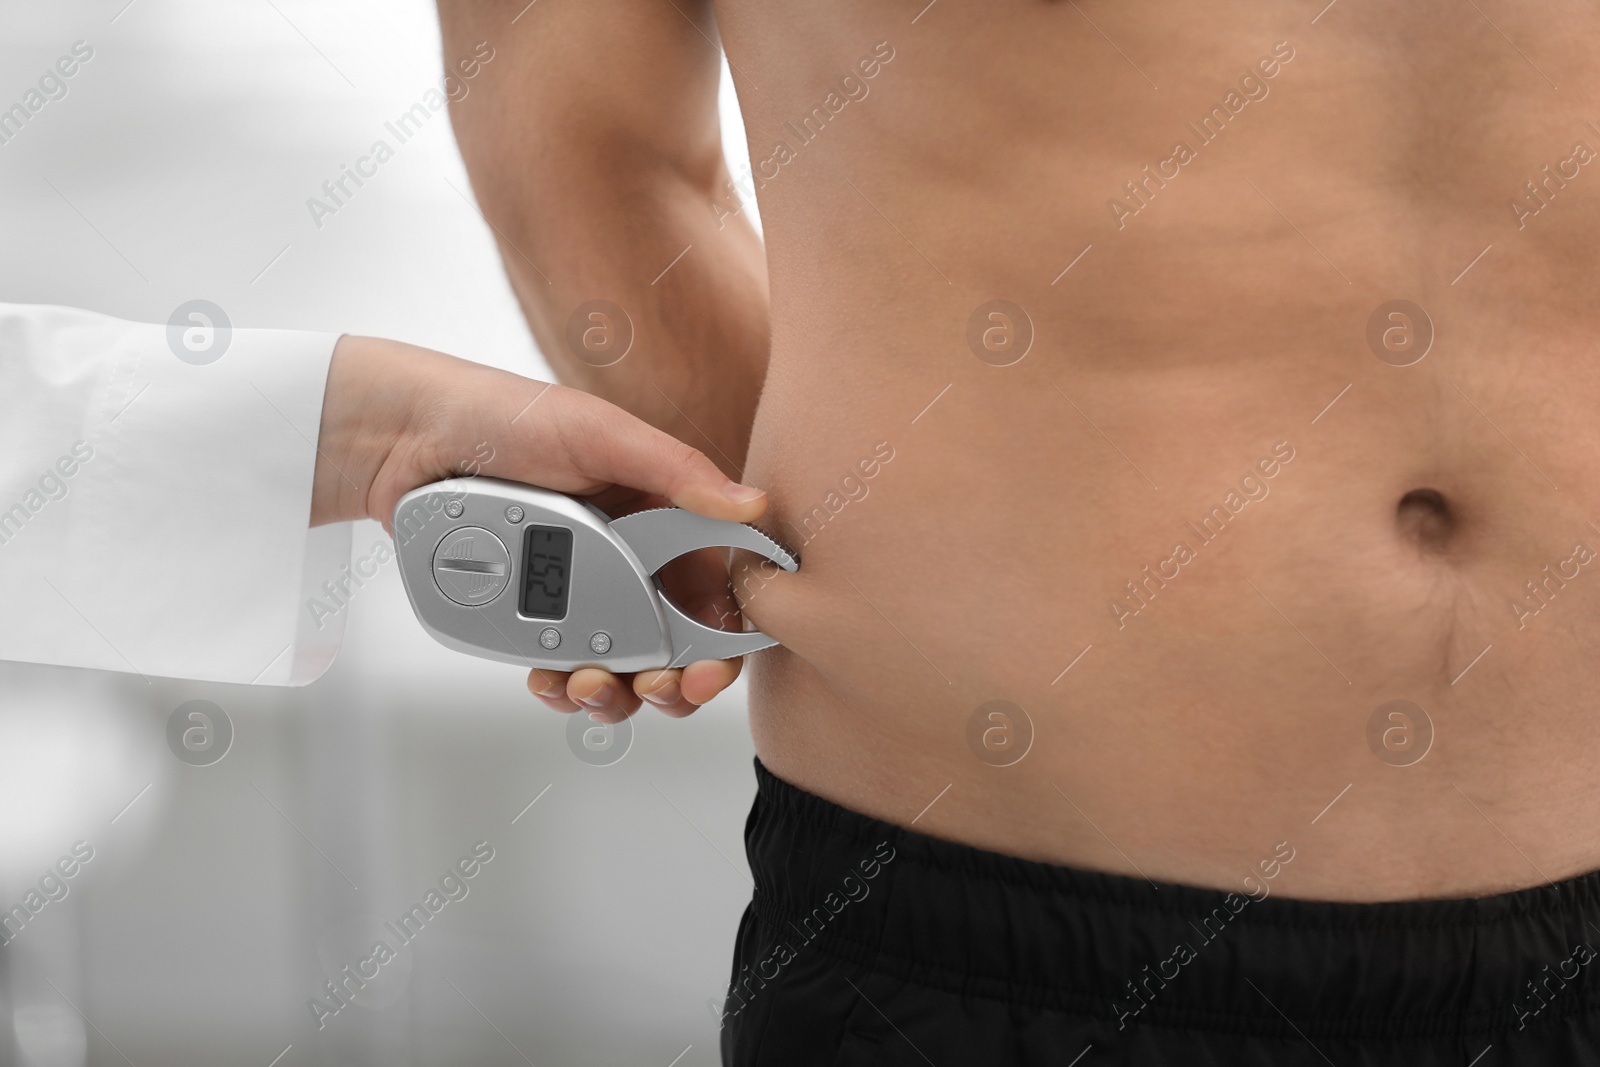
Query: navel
{"type": "Point", "coordinates": [1426, 519]}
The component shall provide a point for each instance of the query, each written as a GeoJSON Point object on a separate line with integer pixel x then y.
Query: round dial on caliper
{"type": "Point", "coordinates": [471, 566]}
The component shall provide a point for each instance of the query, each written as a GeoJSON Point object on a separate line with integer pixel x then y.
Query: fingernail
{"type": "Point", "coordinates": [600, 698]}
{"type": "Point", "coordinates": [742, 494]}
{"type": "Point", "coordinates": [665, 695]}
{"type": "Point", "coordinates": [554, 689]}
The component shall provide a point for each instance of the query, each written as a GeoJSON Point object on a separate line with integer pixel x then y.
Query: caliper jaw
{"type": "Point", "coordinates": [660, 536]}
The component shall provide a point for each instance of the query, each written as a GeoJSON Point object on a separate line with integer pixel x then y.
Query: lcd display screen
{"type": "Point", "coordinates": [546, 570]}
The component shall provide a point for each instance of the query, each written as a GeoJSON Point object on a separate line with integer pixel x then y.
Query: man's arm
{"type": "Point", "coordinates": [594, 148]}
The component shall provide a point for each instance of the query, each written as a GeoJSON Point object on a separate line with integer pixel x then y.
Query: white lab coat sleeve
{"type": "Point", "coordinates": [154, 510]}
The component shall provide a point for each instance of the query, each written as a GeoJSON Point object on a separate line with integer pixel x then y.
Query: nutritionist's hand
{"type": "Point", "coordinates": [396, 417]}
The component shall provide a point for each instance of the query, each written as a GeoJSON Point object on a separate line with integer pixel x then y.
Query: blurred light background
{"type": "Point", "coordinates": [220, 898]}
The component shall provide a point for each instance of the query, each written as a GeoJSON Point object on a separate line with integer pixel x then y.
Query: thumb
{"type": "Point", "coordinates": [610, 445]}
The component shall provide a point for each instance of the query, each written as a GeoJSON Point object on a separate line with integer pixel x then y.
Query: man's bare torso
{"type": "Point", "coordinates": [1176, 533]}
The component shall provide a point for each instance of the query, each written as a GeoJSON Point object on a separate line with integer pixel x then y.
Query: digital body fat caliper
{"type": "Point", "coordinates": [529, 576]}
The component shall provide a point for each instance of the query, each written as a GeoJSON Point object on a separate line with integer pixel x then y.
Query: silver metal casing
{"type": "Point", "coordinates": [610, 591]}
{"type": "Point", "coordinates": [461, 550]}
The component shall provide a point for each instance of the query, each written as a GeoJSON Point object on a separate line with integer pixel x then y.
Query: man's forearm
{"type": "Point", "coordinates": [642, 299]}
{"type": "Point", "coordinates": [633, 286]}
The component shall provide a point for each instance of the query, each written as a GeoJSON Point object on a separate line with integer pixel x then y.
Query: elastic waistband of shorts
{"type": "Point", "coordinates": [983, 924]}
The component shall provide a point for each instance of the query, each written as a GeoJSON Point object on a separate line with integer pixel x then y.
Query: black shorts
{"type": "Point", "coordinates": [865, 943]}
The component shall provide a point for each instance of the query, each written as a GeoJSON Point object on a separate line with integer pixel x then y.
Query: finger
{"type": "Point", "coordinates": [551, 688]}
{"type": "Point", "coordinates": [602, 694]}
{"type": "Point", "coordinates": [706, 678]}
{"type": "Point", "coordinates": [609, 445]}
{"type": "Point", "coordinates": [663, 690]}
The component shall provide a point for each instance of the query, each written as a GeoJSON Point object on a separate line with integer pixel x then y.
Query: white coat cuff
{"type": "Point", "coordinates": [182, 548]}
